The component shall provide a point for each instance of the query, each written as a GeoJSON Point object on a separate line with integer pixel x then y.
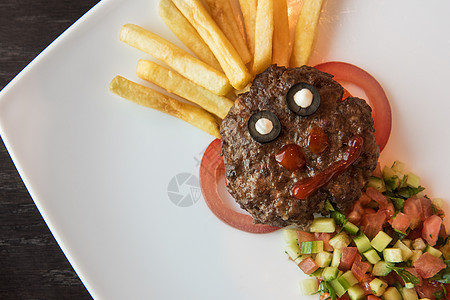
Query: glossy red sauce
{"type": "Point", "coordinates": [317, 140]}
{"type": "Point", "coordinates": [305, 188]}
{"type": "Point", "coordinates": [291, 157]}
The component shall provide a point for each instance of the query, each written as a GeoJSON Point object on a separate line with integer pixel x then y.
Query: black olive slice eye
{"type": "Point", "coordinates": [303, 99]}
{"type": "Point", "coordinates": [264, 126]}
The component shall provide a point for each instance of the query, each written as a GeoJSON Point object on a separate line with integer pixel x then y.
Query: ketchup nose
{"type": "Point", "coordinates": [291, 157]}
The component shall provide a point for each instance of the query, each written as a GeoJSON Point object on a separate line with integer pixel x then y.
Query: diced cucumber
{"type": "Point", "coordinates": [309, 286]}
{"type": "Point", "coordinates": [419, 244]}
{"type": "Point", "coordinates": [392, 255]}
{"type": "Point", "coordinates": [347, 280]}
{"type": "Point", "coordinates": [356, 293]}
{"type": "Point", "coordinates": [323, 225]}
{"type": "Point", "coordinates": [391, 178]}
{"type": "Point", "coordinates": [438, 203]}
{"type": "Point", "coordinates": [409, 294]}
{"type": "Point", "coordinates": [290, 235]}
{"type": "Point", "coordinates": [336, 260]}
{"type": "Point", "coordinates": [406, 252]}
{"type": "Point", "coordinates": [416, 255]}
{"type": "Point", "coordinates": [350, 228]}
{"type": "Point", "coordinates": [381, 268]}
{"type": "Point", "coordinates": [398, 166]}
{"type": "Point", "coordinates": [381, 241]}
{"type": "Point", "coordinates": [340, 240]}
{"type": "Point", "coordinates": [392, 293]}
{"type": "Point", "coordinates": [317, 273]}
{"type": "Point", "coordinates": [293, 250]}
{"type": "Point", "coordinates": [378, 286]}
{"type": "Point", "coordinates": [311, 247]}
{"type": "Point", "coordinates": [330, 273]}
{"type": "Point", "coordinates": [433, 251]}
{"type": "Point", "coordinates": [412, 180]}
{"type": "Point", "coordinates": [323, 259]}
{"type": "Point", "coordinates": [372, 256]}
{"type": "Point", "coordinates": [362, 242]}
{"type": "Point", "coordinates": [337, 287]}
{"type": "Point", "coordinates": [376, 183]}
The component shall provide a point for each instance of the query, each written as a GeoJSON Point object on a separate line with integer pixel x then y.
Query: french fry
{"type": "Point", "coordinates": [280, 48]}
{"type": "Point", "coordinates": [263, 36]}
{"type": "Point", "coordinates": [248, 8]}
{"type": "Point", "coordinates": [145, 96]}
{"type": "Point", "coordinates": [174, 83]}
{"type": "Point", "coordinates": [178, 59]}
{"type": "Point", "coordinates": [187, 34]}
{"type": "Point", "coordinates": [222, 13]}
{"type": "Point", "coordinates": [229, 59]}
{"type": "Point", "coordinates": [305, 32]}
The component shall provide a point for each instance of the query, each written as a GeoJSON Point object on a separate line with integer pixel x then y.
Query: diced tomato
{"type": "Point", "coordinates": [373, 223]}
{"type": "Point", "coordinates": [304, 236]}
{"type": "Point", "coordinates": [427, 265]}
{"type": "Point", "coordinates": [359, 268]}
{"type": "Point", "coordinates": [428, 289]}
{"type": "Point", "coordinates": [443, 232]}
{"type": "Point", "coordinates": [372, 297]}
{"type": "Point", "coordinates": [308, 266]}
{"type": "Point", "coordinates": [325, 237]}
{"type": "Point", "coordinates": [377, 196]}
{"type": "Point", "coordinates": [391, 278]}
{"type": "Point", "coordinates": [431, 229]}
{"type": "Point", "coordinates": [418, 209]}
{"type": "Point", "coordinates": [415, 233]}
{"type": "Point", "coordinates": [364, 283]}
{"type": "Point", "coordinates": [364, 199]}
{"type": "Point", "coordinates": [401, 222]}
{"type": "Point", "coordinates": [345, 297]}
{"type": "Point", "coordinates": [347, 258]}
{"type": "Point", "coordinates": [356, 214]}
{"type": "Point", "coordinates": [368, 211]}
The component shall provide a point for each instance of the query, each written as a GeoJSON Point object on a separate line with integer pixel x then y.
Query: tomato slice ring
{"type": "Point", "coordinates": [211, 168]}
{"type": "Point", "coordinates": [377, 99]}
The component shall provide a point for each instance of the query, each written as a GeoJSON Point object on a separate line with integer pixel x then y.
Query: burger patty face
{"type": "Point", "coordinates": [261, 185]}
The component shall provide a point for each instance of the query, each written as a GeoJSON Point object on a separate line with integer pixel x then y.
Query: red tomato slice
{"type": "Point", "coordinates": [308, 266]}
{"type": "Point", "coordinates": [431, 229]}
{"type": "Point", "coordinates": [359, 268]}
{"type": "Point", "coordinates": [377, 99]}
{"type": "Point", "coordinates": [427, 265]}
{"type": "Point", "coordinates": [211, 168]}
{"type": "Point", "coordinates": [347, 258]}
{"type": "Point", "coordinates": [401, 222]}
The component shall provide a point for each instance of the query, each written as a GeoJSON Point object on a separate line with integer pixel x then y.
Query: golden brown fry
{"type": "Point", "coordinates": [280, 55]}
{"type": "Point", "coordinates": [187, 34]}
{"type": "Point", "coordinates": [222, 13]}
{"type": "Point", "coordinates": [248, 8]}
{"type": "Point", "coordinates": [147, 97]}
{"type": "Point", "coordinates": [263, 36]}
{"type": "Point", "coordinates": [305, 32]}
{"type": "Point", "coordinates": [178, 59]}
{"type": "Point", "coordinates": [174, 83]}
{"type": "Point", "coordinates": [229, 59]}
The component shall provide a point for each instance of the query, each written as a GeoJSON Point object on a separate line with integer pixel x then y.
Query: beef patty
{"type": "Point", "coordinates": [262, 186]}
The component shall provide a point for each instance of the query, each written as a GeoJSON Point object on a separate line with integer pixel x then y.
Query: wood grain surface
{"type": "Point", "coordinates": [32, 266]}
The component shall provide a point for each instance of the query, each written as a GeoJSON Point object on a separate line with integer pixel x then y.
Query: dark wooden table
{"type": "Point", "coordinates": [32, 266]}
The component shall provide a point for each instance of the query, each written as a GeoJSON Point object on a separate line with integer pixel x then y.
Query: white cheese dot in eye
{"type": "Point", "coordinates": [264, 126]}
{"type": "Point", "coordinates": [303, 98]}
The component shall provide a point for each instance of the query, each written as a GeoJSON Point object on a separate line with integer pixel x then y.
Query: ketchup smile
{"type": "Point", "coordinates": [305, 188]}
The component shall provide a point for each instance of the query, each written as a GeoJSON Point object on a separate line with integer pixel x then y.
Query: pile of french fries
{"type": "Point", "coordinates": [231, 42]}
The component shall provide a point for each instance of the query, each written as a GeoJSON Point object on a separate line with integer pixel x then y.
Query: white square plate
{"type": "Point", "coordinates": [99, 167]}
